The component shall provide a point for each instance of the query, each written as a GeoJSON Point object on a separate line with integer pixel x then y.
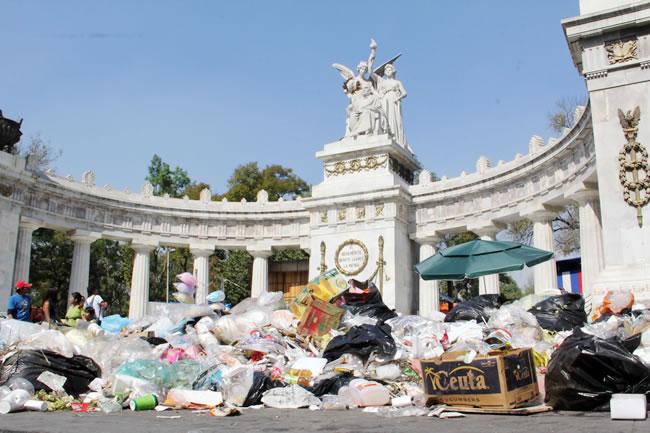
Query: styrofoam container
{"type": "Point", "coordinates": [628, 406]}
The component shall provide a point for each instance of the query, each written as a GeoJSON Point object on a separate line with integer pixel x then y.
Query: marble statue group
{"type": "Point", "coordinates": [375, 99]}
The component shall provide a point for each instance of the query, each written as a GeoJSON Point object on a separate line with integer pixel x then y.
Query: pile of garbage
{"type": "Point", "coordinates": [337, 346]}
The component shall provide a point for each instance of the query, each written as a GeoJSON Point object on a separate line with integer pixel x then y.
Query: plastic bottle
{"type": "Point", "coordinates": [15, 401]}
{"type": "Point", "coordinates": [363, 392]}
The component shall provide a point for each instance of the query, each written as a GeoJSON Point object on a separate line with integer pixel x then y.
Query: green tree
{"type": "Point", "coordinates": [165, 180]}
{"type": "Point", "coordinates": [51, 262]}
{"type": "Point", "coordinates": [277, 180]}
{"type": "Point", "coordinates": [111, 265]}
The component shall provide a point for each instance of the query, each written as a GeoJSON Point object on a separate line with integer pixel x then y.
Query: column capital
{"type": "Point", "coordinates": [142, 247]}
{"type": "Point", "coordinates": [29, 225]}
{"type": "Point", "coordinates": [488, 229]}
{"type": "Point", "coordinates": [83, 236]}
{"type": "Point", "coordinates": [259, 252]}
{"type": "Point", "coordinates": [584, 196]}
{"type": "Point", "coordinates": [201, 251]}
{"type": "Point", "coordinates": [542, 214]}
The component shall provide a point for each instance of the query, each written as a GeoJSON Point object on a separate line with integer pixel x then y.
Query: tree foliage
{"type": "Point", "coordinates": [40, 153]}
{"type": "Point", "coordinates": [165, 180]}
{"type": "Point", "coordinates": [278, 181]}
{"type": "Point", "coordinates": [566, 231]}
{"type": "Point", "coordinates": [111, 265]}
{"type": "Point", "coordinates": [564, 115]}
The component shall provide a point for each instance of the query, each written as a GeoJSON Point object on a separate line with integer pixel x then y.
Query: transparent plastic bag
{"type": "Point", "coordinates": [12, 331]}
{"type": "Point", "coordinates": [51, 340]}
{"type": "Point", "coordinates": [290, 397]}
{"type": "Point", "coordinates": [236, 384]}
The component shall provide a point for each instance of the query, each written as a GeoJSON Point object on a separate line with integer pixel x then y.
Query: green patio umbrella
{"type": "Point", "coordinates": [477, 258]}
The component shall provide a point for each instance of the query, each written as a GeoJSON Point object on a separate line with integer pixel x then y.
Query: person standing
{"type": "Point", "coordinates": [74, 310]}
{"type": "Point", "coordinates": [97, 303]}
{"type": "Point", "coordinates": [20, 303]}
{"type": "Point", "coordinates": [49, 305]}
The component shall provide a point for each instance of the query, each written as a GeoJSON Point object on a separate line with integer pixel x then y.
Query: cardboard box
{"type": "Point", "coordinates": [497, 380]}
{"type": "Point", "coordinates": [319, 318]}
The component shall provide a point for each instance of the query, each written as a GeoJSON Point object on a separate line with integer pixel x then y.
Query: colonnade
{"type": "Point", "coordinates": [545, 274]}
{"type": "Point", "coordinates": [139, 296]}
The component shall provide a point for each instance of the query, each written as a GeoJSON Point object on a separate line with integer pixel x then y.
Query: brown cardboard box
{"type": "Point", "coordinates": [499, 379]}
{"type": "Point", "coordinates": [319, 318]}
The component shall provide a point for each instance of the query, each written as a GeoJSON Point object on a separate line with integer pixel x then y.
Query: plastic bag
{"type": "Point", "coordinates": [12, 331]}
{"type": "Point", "coordinates": [114, 323]}
{"type": "Point", "coordinates": [29, 364]}
{"type": "Point", "coordinates": [289, 397]}
{"type": "Point", "coordinates": [364, 299]}
{"type": "Point", "coordinates": [362, 341]}
{"type": "Point", "coordinates": [560, 313]}
{"type": "Point", "coordinates": [236, 385]}
{"type": "Point", "coordinates": [586, 370]}
{"type": "Point", "coordinates": [479, 308]}
{"type": "Point", "coordinates": [50, 340]}
{"type": "Point", "coordinates": [261, 384]}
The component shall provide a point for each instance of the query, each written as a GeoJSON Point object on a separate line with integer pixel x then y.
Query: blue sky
{"type": "Point", "coordinates": [209, 85]}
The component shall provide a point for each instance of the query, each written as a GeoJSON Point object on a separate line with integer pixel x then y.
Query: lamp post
{"type": "Point", "coordinates": [169, 250]}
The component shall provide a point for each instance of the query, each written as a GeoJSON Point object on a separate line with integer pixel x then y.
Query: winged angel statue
{"type": "Point", "coordinates": [375, 99]}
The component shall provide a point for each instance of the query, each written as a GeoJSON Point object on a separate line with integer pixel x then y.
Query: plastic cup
{"type": "Point", "coordinates": [36, 405]}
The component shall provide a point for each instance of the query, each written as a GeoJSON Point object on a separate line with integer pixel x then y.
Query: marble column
{"type": "Point", "coordinates": [140, 281]}
{"type": "Point", "coordinates": [202, 273]}
{"type": "Point", "coordinates": [23, 251]}
{"type": "Point", "coordinates": [429, 300]}
{"type": "Point", "coordinates": [81, 261]}
{"type": "Point", "coordinates": [488, 284]}
{"type": "Point", "coordinates": [591, 238]}
{"type": "Point", "coordinates": [545, 274]}
{"type": "Point", "coordinates": [260, 277]}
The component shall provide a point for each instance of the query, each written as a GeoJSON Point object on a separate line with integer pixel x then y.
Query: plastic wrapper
{"type": "Point", "coordinates": [187, 278]}
{"type": "Point", "coordinates": [586, 370]}
{"type": "Point", "coordinates": [289, 397]}
{"type": "Point", "coordinates": [362, 341]}
{"type": "Point", "coordinates": [29, 364]}
{"type": "Point", "coordinates": [109, 352]}
{"type": "Point", "coordinates": [181, 374]}
{"type": "Point", "coordinates": [560, 313]}
{"type": "Point", "coordinates": [614, 303]}
{"type": "Point", "coordinates": [282, 319]}
{"type": "Point", "coordinates": [511, 315]}
{"type": "Point", "coordinates": [114, 324]}
{"type": "Point", "coordinates": [257, 343]}
{"type": "Point", "coordinates": [216, 296]}
{"type": "Point", "coordinates": [479, 308]}
{"type": "Point", "coordinates": [184, 298]}
{"type": "Point", "coordinates": [364, 299]}
{"type": "Point", "coordinates": [12, 331]}
{"type": "Point", "coordinates": [417, 336]}
{"type": "Point", "coordinates": [184, 288]}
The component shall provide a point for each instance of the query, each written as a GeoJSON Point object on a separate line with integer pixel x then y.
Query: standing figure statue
{"type": "Point", "coordinates": [375, 99]}
{"type": "Point", "coordinates": [391, 92]}
{"type": "Point", "coordinates": [364, 111]}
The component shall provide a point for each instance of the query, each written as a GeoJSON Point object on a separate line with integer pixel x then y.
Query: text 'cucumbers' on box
{"type": "Point", "coordinates": [499, 379]}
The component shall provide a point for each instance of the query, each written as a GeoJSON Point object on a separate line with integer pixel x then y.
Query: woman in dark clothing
{"type": "Point", "coordinates": [49, 305]}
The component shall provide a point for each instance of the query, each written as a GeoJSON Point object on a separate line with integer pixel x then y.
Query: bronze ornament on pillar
{"type": "Point", "coordinates": [323, 266]}
{"type": "Point", "coordinates": [633, 161]}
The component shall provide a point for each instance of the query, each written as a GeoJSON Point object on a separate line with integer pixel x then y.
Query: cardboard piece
{"type": "Point", "coordinates": [497, 380]}
{"type": "Point", "coordinates": [319, 318]}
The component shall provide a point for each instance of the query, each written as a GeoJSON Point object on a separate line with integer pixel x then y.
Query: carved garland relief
{"type": "Point", "coordinates": [634, 172]}
{"type": "Point", "coordinates": [356, 165]}
{"type": "Point", "coordinates": [621, 51]}
{"type": "Point", "coordinates": [351, 257]}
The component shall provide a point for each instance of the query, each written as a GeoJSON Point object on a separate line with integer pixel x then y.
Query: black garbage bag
{"type": "Point", "coordinates": [475, 308]}
{"type": "Point", "coordinates": [368, 303]}
{"type": "Point", "coordinates": [331, 385]}
{"type": "Point", "coordinates": [586, 370]}
{"type": "Point", "coordinates": [78, 370]}
{"type": "Point", "coordinates": [560, 313]}
{"type": "Point", "coordinates": [261, 384]}
{"type": "Point", "coordinates": [362, 341]}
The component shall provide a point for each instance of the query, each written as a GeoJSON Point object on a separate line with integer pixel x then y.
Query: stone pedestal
{"type": "Point", "coordinates": [81, 261]}
{"type": "Point", "coordinates": [360, 213]}
{"type": "Point", "coordinates": [202, 273]}
{"type": "Point", "coordinates": [24, 251]}
{"type": "Point", "coordinates": [260, 274]}
{"type": "Point", "coordinates": [140, 281]}
{"type": "Point", "coordinates": [610, 48]}
{"type": "Point", "coordinates": [429, 296]}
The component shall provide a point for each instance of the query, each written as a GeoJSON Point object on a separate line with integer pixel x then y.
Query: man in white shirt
{"type": "Point", "coordinates": [98, 304]}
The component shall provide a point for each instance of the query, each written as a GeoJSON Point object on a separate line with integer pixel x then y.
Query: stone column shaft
{"type": "Point", "coordinates": [202, 273]}
{"type": "Point", "coordinates": [489, 284]}
{"type": "Point", "coordinates": [23, 251]}
{"type": "Point", "coordinates": [545, 273]}
{"type": "Point", "coordinates": [429, 299]}
{"type": "Point", "coordinates": [80, 263]}
{"type": "Point", "coordinates": [260, 277]}
{"type": "Point", "coordinates": [139, 282]}
{"type": "Point", "coordinates": [591, 240]}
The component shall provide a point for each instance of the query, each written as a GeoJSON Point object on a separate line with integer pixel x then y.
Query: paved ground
{"type": "Point", "coordinates": [271, 420]}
